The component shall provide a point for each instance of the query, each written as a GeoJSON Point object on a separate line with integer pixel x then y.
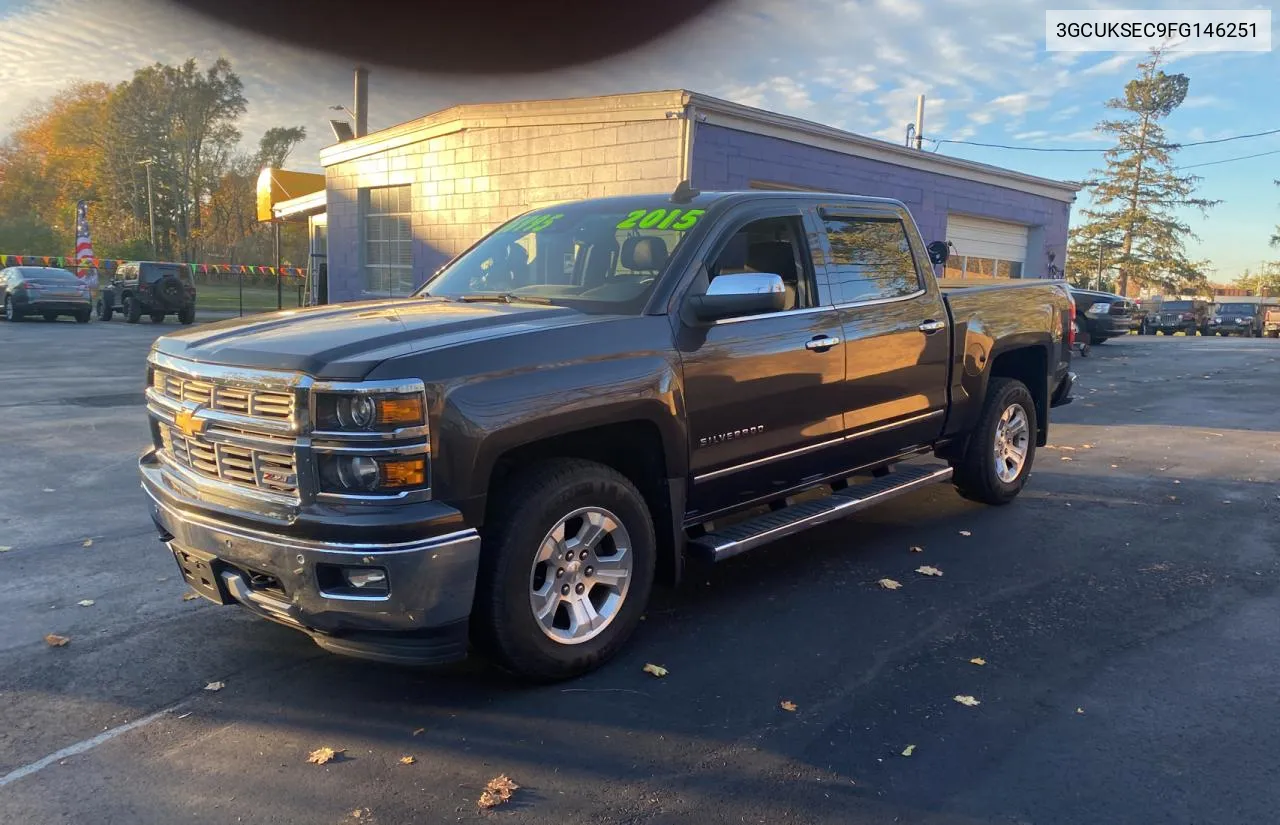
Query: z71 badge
{"type": "Point", "coordinates": [732, 435]}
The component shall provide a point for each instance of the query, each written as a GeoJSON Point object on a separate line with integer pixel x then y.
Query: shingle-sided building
{"type": "Point", "coordinates": [402, 201]}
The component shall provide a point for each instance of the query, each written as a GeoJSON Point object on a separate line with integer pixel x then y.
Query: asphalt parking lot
{"type": "Point", "coordinates": [1125, 607]}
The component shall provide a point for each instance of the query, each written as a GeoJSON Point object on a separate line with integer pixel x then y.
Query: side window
{"type": "Point", "coordinates": [772, 245]}
{"type": "Point", "coordinates": [870, 259]}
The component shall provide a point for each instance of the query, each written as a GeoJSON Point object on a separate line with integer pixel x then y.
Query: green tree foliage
{"type": "Point", "coordinates": [88, 142]}
{"type": "Point", "coordinates": [1265, 281]}
{"type": "Point", "coordinates": [1137, 195]}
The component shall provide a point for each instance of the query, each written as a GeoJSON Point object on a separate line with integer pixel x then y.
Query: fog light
{"type": "Point", "coordinates": [366, 578]}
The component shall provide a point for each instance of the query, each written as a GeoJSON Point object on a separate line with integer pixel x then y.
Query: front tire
{"type": "Point", "coordinates": [50, 317]}
{"type": "Point", "coordinates": [82, 317]}
{"type": "Point", "coordinates": [566, 570]}
{"type": "Point", "coordinates": [157, 317]}
{"type": "Point", "coordinates": [132, 310]}
{"type": "Point", "coordinates": [187, 315]}
{"type": "Point", "coordinates": [104, 309]}
{"type": "Point", "coordinates": [1001, 448]}
{"type": "Point", "coordinates": [11, 313]}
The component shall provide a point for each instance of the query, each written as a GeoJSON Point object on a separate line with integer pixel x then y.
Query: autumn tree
{"type": "Point", "coordinates": [1136, 196]}
{"type": "Point", "coordinates": [231, 210]}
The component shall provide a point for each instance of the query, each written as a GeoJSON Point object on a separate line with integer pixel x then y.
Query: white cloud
{"type": "Point", "coordinates": [1112, 65]}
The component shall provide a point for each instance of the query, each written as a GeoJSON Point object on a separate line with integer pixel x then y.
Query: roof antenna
{"type": "Point", "coordinates": [684, 193]}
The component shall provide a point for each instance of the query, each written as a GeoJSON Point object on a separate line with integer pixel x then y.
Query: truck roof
{"type": "Point", "coordinates": [704, 200]}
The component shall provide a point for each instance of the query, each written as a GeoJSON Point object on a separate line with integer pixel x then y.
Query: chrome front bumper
{"type": "Point", "coordinates": [422, 619]}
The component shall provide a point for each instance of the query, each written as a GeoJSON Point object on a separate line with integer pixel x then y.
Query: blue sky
{"type": "Point", "coordinates": [853, 64]}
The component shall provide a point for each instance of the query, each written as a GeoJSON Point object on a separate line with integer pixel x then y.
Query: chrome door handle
{"type": "Point", "coordinates": [819, 344]}
{"type": "Point", "coordinates": [932, 326]}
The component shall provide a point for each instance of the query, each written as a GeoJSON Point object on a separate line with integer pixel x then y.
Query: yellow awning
{"type": "Point", "coordinates": [278, 185]}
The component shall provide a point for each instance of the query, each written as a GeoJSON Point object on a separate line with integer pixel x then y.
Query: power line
{"type": "Point", "coordinates": [940, 141]}
{"type": "Point", "coordinates": [1227, 160]}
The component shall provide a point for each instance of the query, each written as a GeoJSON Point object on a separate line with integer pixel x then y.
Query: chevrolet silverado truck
{"type": "Point", "coordinates": [569, 411]}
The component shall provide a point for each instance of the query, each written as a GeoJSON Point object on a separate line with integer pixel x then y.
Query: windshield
{"type": "Point", "coordinates": [48, 276]}
{"type": "Point", "coordinates": [600, 257]}
{"type": "Point", "coordinates": [1177, 306]}
{"type": "Point", "coordinates": [1236, 309]}
{"type": "Point", "coordinates": [154, 272]}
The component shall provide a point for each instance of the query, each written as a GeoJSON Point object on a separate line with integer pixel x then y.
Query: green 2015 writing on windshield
{"type": "Point", "coordinates": [531, 223]}
{"type": "Point", "coordinates": [679, 219]}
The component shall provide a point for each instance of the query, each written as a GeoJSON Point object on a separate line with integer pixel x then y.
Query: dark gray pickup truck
{"type": "Point", "coordinates": [588, 398]}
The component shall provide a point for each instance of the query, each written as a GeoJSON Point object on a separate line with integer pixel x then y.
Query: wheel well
{"type": "Point", "coordinates": [1030, 366]}
{"type": "Point", "coordinates": [633, 448]}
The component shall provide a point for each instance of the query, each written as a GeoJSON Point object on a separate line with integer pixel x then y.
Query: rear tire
{"type": "Point", "coordinates": [979, 476]}
{"type": "Point", "coordinates": [157, 317]}
{"type": "Point", "coordinates": [533, 505]}
{"type": "Point", "coordinates": [50, 317]}
{"type": "Point", "coordinates": [82, 317]}
{"type": "Point", "coordinates": [187, 315]}
{"type": "Point", "coordinates": [132, 309]}
{"type": "Point", "coordinates": [11, 312]}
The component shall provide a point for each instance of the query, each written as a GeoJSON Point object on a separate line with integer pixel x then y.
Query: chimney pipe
{"type": "Point", "coordinates": [920, 121]}
{"type": "Point", "coordinates": [362, 101]}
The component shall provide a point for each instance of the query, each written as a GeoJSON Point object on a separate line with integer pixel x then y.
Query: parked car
{"type": "Point", "coordinates": [586, 398]}
{"type": "Point", "coordinates": [45, 291]}
{"type": "Point", "coordinates": [1237, 319]}
{"type": "Point", "coordinates": [150, 288]}
{"type": "Point", "coordinates": [1189, 317]}
{"type": "Point", "coordinates": [1103, 315]}
{"type": "Point", "coordinates": [1271, 322]}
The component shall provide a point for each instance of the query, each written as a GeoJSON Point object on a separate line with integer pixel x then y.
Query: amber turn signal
{"type": "Point", "coordinates": [406, 473]}
{"type": "Point", "coordinates": [405, 410]}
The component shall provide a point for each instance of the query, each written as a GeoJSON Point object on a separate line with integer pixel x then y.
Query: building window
{"type": "Point", "coordinates": [976, 266]}
{"type": "Point", "coordinates": [388, 240]}
{"type": "Point", "coordinates": [870, 259]}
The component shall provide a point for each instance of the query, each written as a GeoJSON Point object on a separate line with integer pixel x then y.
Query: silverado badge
{"type": "Point", "coordinates": [187, 423]}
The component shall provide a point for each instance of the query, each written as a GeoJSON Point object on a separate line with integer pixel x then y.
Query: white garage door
{"type": "Point", "coordinates": [985, 248]}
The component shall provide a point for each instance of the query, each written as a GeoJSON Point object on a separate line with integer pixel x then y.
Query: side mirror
{"type": "Point", "coordinates": [746, 293]}
{"type": "Point", "coordinates": [939, 252]}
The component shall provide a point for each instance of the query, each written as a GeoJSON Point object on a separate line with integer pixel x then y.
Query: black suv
{"type": "Point", "coordinates": [1180, 316]}
{"type": "Point", "coordinates": [1102, 315]}
{"type": "Point", "coordinates": [149, 288]}
{"type": "Point", "coordinates": [1237, 319]}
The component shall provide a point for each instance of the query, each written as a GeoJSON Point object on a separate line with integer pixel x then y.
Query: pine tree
{"type": "Point", "coordinates": [1136, 195]}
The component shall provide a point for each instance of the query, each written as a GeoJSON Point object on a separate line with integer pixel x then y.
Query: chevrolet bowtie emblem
{"type": "Point", "coordinates": [188, 423]}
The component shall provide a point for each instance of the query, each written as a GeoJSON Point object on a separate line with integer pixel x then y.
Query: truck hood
{"type": "Point", "coordinates": [346, 341]}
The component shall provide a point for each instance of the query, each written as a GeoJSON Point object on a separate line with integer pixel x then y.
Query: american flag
{"type": "Point", "coordinates": [84, 246]}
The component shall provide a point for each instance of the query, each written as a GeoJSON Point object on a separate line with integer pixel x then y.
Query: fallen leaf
{"type": "Point", "coordinates": [965, 533]}
{"type": "Point", "coordinates": [655, 670]}
{"type": "Point", "coordinates": [498, 791]}
{"type": "Point", "coordinates": [1175, 481]}
{"type": "Point", "coordinates": [85, 602]}
{"type": "Point", "coordinates": [1115, 466]}
{"type": "Point", "coordinates": [419, 731]}
{"type": "Point", "coordinates": [1080, 710]}
{"type": "Point", "coordinates": [977, 660]}
{"type": "Point", "coordinates": [190, 595]}
{"type": "Point", "coordinates": [5, 548]}
{"type": "Point", "coordinates": [87, 543]}
{"type": "Point", "coordinates": [1065, 458]}
{"type": "Point", "coordinates": [968, 701]}
{"type": "Point", "coordinates": [915, 549]}
{"type": "Point", "coordinates": [889, 584]}
{"type": "Point", "coordinates": [787, 705]}
{"type": "Point", "coordinates": [407, 760]}
{"type": "Point", "coordinates": [323, 756]}
{"type": "Point", "coordinates": [50, 490]}
{"type": "Point", "coordinates": [54, 640]}
{"type": "Point", "coordinates": [215, 686]}
{"type": "Point", "coordinates": [926, 570]}
{"type": "Point", "coordinates": [1086, 446]}
{"type": "Point", "coordinates": [908, 750]}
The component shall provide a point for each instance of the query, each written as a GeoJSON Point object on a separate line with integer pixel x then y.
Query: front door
{"type": "Point", "coordinates": [762, 392]}
{"type": "Point", "coordinates": [897, 335]}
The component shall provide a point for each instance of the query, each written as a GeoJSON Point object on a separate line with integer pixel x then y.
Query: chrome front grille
{"type": "Point", "coordinates": [258, 403]}
{"type": "Point", "coordinates": [276, 472]}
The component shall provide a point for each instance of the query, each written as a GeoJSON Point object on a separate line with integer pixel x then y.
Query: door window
{"type": "Point", "coordinates": [871, 259]}
{"type": "Point", "coordinates": [771, 245]}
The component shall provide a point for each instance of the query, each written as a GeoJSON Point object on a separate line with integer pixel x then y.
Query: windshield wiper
{"type": "Point", "coordinates": [504, 298]}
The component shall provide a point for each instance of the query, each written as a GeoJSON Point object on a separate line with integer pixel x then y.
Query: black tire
{"type": "Point", "coordinates": [1275, 334]}
{"type": "Point", "coordinates": [975, 473]}
{"type": "Point", "coordinates": [187, 315]}
{"type": "Point", "coordinates": [82, 317]}
{"type": "Point", "coordinates": [11, 312]}
{"type": "Point", "coordinates": [104, 309]}
{"type": "Point", "coordinates": [1149, 331]}
{"type": "Point", "coordinates": [529, 505]}
{"type": "Point", "coordinates": [1097, 341]}
{"type": "Point", "coordinates": [132, 309]}
{"type": "Point", "coordinates": [49, 317]}
{"type": "Point", "coordinates": [157, 317]}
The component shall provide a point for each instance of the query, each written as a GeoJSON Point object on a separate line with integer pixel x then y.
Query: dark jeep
{"type": "Point", "coordinates": [149, 288]}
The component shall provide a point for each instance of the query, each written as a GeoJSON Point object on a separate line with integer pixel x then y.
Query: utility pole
{"type": "Point", "coordinates": [1101, 248]}
{"type": "Point", "coordinates": [151, 206]}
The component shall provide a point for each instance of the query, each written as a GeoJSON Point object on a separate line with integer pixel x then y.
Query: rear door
{"type": "Point", "coordinates": [762, 392]}
{"type": "Point", "coordinates": [896, 328]}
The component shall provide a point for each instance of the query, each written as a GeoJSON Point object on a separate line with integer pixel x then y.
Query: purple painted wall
{"type": "Point", "coordinates": [728, 159]}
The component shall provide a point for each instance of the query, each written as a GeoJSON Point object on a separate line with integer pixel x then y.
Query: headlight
{"type": "Point", "coordinates": [1242, 320]}
{"type": "Point", "coordinates": [1217, 320]}
{"type": "Point", "coordinates": [363, 474]}
{"type": "Point", "coordinates": [356, 412]}
{"type": "Point", "coordinates": [1100, 308]}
